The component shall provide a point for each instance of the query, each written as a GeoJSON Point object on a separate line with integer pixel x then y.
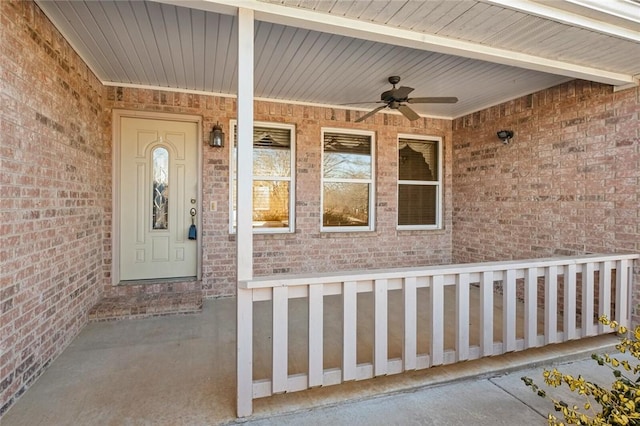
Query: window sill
{"type": "Point", "coordinates": [408, 232]}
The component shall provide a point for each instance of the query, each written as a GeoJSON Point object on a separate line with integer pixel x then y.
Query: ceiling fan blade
{"type": "Point", "coordinates": [363, 102]}
{"type": "Point", "coordinates": [370, 113]}
{"type": "Point", "coordinates": [436, 100]}
{"type": "Point", "coordinates": [402, 92]}
{"type": "Point", "coordinates": [408, 112]}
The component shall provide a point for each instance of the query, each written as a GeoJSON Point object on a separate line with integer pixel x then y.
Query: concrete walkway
{"type": "Point", "coordinates": [499, 400]}
{"type": "Point", "coordinates": [180, 370]}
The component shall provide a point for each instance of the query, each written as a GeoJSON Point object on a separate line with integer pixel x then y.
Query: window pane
{"type": "Point", "coordinates": [271, 161]}
{"type": "Point", "coordinates": [347, 166]}
{"type": "Point", "coordinates": [346, 204]}
{"type": "Point", "coordinates": [417, 204]}
{"type": "Point", "coordinates": [272, 177]}
{"type": "Point", "coordinates": [418, 160]}
{"type": "Point", "coordinates": [270, 204]}
{"type": "Point", "coordinates": [160, 201]}
{"type": "Point", "coordinates": [347, 156]}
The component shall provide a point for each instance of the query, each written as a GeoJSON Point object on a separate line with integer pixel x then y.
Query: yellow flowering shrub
{"type": "Point", "coordinates": [619, 405]}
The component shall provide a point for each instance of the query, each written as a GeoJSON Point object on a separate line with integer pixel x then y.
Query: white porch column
{"type": "Point", "coordinates": [244, 226]}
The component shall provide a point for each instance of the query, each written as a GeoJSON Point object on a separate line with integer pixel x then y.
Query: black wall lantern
{"type": "Point", "coordinates": [505, 136]}
{"type": "Point", "coordinates": [216, 136]}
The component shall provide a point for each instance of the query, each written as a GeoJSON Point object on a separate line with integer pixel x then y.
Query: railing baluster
{"type": "Point", "coordinates": [349, 333]}
{"type": "Point", "coordinates": [462, 317]}
{"type": "Point", "coordinates": [551, 305]}
{"type": "Point", "coordinates": [280, 339]}
{"type": "Point", "coordinates": [588, 299]}
{"type": "Point", "coordinates": [531, 308]}
{"type": "Point", "coordinates": [486, 313]}
{"type": "Point", "coordinates": [410, 347]}
{"type": "Point", "coordinates": [380, 358]}
{"type": "Point", "coordinates": [316, 331]}
{"type": "Point", "coordinates": [622, 292]}
{"type": "Point", "coordinates": [604, 304]}
{"type": "Point", "coordinates": [569, 314]}
{"type": "Point", "coordinates": [437, 320]}
{"type": "Point", "coordinates": [509, 311]}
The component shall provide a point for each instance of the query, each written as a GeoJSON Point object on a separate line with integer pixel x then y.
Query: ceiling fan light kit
{"type": "Point", "coordinates": [396, 98]}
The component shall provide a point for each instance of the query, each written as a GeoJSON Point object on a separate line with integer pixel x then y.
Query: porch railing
{"type": "Point", "coordinates": [556, 299]}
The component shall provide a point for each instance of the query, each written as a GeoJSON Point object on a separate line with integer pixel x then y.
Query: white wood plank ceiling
{"type": "Point", "coordinates": [337, 52]}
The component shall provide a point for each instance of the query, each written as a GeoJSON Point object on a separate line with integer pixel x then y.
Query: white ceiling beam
{"type": "Point", "coordinates": [224, 8]}
{"type": "Point", "coordinates": [559, 11]}
{"type": "Point", "coordinates": [626, 10]}
{"type": "Point", "coordinates": [308, 19]}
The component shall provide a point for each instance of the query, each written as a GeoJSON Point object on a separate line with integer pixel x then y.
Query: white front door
{"type": "Point", "coordinates": [158, 189]}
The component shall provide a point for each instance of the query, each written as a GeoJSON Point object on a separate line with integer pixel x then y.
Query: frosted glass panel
{"type": "Point", "coordinates": [160, 170]}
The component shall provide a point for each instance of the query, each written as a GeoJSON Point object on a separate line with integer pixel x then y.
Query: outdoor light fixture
{"type": "Point", "coordinates": [505, 136]}
{"type": "Point", "coordinates": [216, 136]}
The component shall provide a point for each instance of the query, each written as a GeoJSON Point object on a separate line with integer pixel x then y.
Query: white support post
{"type": "Point", "coordinates": [486, 313]}
{"type": "Point", "coordinates": [604, 294]}
{"type": "Point", "coordinates": [280, 339]}
{"type": "Point", "coordinates": [551, 305]}
{"type": "Point", "coordinates": [316, 327]}
{"type": "Point", "coordinates": [380, 329]}
{"type": "Point", "coordinates": [622, 292]}
{"type": "Point", "coordinates": [244, 353]}
{"type": "Point", "coordinates": [569, 314]}
{"type": "Point", "coordinates": [531, 308]}
{"type": "Point", "coordinates": [588, 300]}
{"type": "Point", "coordinates": [462, 317]}
{"type": "Point", "coordinates": [410, 347]}
{"type": "Point", "coordinates": [437, 320]}
{"type": "Point", "coordinates": [509, 311]}
{"type": "Point", "coordinates": [349, 330]}
{"type": "Point", "coordinates": [244, 234]}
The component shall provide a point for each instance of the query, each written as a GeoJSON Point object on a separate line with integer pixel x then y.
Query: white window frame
{"type": "Point", "coordinates": [371, 181]}
{"type": "Point", "coordinates": [437, 183]}
{"type": "Point", "coordinates": [291, 178]}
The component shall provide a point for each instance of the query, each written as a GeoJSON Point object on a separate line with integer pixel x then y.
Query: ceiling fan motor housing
{"type": "Point", "coordinates": [388, 96]}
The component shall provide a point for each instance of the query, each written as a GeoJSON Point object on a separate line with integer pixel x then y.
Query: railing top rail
{"type": "Point", "coordinates": [285, 280]}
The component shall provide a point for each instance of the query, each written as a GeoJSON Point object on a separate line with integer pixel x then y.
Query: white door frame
{"type": "Point", "coordinates": [118, 114]}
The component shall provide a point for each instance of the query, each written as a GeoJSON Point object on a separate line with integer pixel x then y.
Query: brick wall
{"type": "Point", "coordinates": [54, 187]}
{"type": "Point", "coordinates": [308, 249]}
{"type": "Point", "coordinates": [568, 183]}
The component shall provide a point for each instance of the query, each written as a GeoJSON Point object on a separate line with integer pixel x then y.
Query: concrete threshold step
{"type": "Point", "coordinates": [146, 305]}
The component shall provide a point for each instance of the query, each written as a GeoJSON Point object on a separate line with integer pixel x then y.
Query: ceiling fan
{"type": "Point", "coordinates": [397, 97]}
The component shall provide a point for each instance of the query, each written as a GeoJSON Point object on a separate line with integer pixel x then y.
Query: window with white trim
{"type": "Point", "coordinates": [347, 180]}
{"type": "Point", "coordinates": [273, 177]}
{"type": "Point", "coordinates": [419, 182]}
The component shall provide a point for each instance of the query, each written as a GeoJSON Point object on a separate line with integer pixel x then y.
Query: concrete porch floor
{"type": "Point", "coordinates": [180, 370]}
